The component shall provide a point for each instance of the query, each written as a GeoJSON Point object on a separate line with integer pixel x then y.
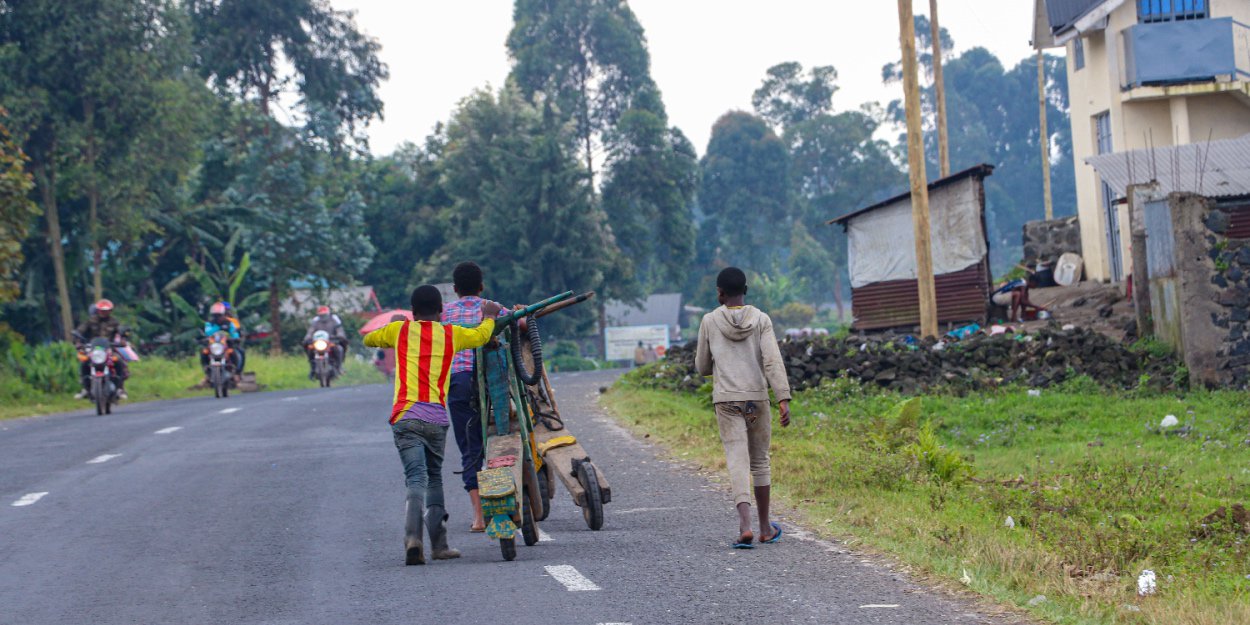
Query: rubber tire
{"type": "Point", "coordinates": [215, 379]}
{"type": "Point", "coordinates": [592, 512]}
{"type": "Point", "coordinates": [544, 486]}
{"type": "Point", "coordinates": [97, 393]}
{"type": "Point", "coordinates": [529, 529]}
{"type": "Point", "coordinates": [508, 547]}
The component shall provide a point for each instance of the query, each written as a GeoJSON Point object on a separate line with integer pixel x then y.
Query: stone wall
{"type": "Point", "coordinates": [1048, 240]}
{"type": "Point", "coordinates": [1228, 260]}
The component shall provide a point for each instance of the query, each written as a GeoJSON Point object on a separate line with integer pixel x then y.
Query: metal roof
{"type": "Point", "coordinates": [1215, 169]}
{"type": "Point", "coordinates": [660, 309]}
{"type": "Point", "coordinates": [980, 171]}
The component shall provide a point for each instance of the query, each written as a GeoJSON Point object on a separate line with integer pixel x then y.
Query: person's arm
{"type": "Point", "coordinates": [385, 336]}
{"type": "Point", "coordinates": [703, 351]}
{"type": "Point", "coordinates": [775, 368]}
{"type": "Point", "coordinates": [463, 338]}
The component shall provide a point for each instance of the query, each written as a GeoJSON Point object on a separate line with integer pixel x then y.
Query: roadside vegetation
{"type": "Point", "coordinates": [1068, 494]}
{"type": "Point", "coordinates": [43, 379]}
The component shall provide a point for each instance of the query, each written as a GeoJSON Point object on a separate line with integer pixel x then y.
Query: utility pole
{"type": "Point", "coordinates": [919, 183]}
{"type": "Point", "coordinates": [1044, 137]}
{"type": "Point", "coordinates": [939, 90]}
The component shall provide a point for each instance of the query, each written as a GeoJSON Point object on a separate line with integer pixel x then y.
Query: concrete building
{"type": "Point", "coordinates": [1143, 73]}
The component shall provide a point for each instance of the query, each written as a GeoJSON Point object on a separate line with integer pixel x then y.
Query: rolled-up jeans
{"type": "Point", "coordinates": [420, 444]}
{"type": "Point", "coordinates": [746, 432]}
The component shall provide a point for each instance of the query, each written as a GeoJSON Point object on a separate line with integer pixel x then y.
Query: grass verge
{"type": "Point", "coordinates": [161, 378]}
{"type": "Point", "coordinates": [1095, 490]}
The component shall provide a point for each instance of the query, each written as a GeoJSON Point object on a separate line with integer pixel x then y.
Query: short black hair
{"type": "Point", "coordinates": [426, 301]}
{"type": "Point", "coordinates": [467, 278]}
{"type": "Point", "coordinates": [732, 281]}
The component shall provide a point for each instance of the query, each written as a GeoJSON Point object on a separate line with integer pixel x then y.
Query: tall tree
{"type": "Point", "coordinates": [589, 55]}
{"type": "Point", "coordinates": [16, 210]}
{"type": "Point", "coordinates": [787, 97]}
{"type": "Point", "coordinates": [744, 196]}
{"type": "Point", "coordinates": [255, 51]}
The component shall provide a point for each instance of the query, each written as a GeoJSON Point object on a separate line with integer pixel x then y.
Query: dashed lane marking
{"type": "Point", "coordinates": [572, 580]}
{"type": "Point", "coordinates": [103, 458]}
{"type": "Point", "coordinates": [227, 411]}
{"type": "Point", "coordinates": [28, 499]}
{"type": "Point", "coordinates": [169, 430]}
{"type": "Point", "coordinates": [878, 605]}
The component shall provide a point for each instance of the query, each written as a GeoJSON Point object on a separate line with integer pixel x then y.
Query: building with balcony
{"type": "Point", "coordinates": [1143, 74]}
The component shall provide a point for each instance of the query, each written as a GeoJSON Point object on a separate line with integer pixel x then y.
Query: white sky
{"type": "Point", "coordinates": [707, 56]}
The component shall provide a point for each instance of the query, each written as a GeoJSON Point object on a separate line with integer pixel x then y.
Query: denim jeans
{"type": "Point", "coordinates": [466, 421]}
{"type": "Point", "coordinates": [420, 444]}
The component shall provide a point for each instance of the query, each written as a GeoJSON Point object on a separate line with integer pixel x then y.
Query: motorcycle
{"type": "Point", "coordinates": [324, 369]}
{"type": "Point", "coordinates": [101, 357]}
{"type": "Point", "coordinates": [220, 370]}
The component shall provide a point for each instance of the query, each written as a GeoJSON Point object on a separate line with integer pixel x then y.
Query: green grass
{"type": "Point", "coordinates": [161, 378]}
{"type": "Point", "coordinates": [1096, 492]}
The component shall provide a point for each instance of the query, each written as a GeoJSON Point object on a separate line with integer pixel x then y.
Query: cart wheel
{"type": "Point", "coordinates": [544, 486]}
{"type": "Point", "coordinates": [508, 547]}
{"type": "Point", "coordinates": [593, 510]}
{"type": "Point", "coordinates": [529, 529]}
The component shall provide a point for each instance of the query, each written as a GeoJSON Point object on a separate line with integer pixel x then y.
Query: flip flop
{"type": "Point", "coordinates": [477, 530]}
{"type": "Point", "coordinates": [776, 536]}
{"type": "Point", "coordinates": [744, 541]}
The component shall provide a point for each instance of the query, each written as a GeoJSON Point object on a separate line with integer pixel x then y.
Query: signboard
{"type": "Point", "coordinates": [621, 341]}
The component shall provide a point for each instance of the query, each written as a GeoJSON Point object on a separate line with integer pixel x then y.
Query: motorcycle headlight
{"type": "Point", "coordinates": [320, 345]}
{"type": "Point", "coordinates": [217, 349]}
{"type": "Point", "coordinates": [99, 356]}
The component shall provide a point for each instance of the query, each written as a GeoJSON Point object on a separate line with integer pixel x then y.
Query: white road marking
{"type": "Point", "coordinates": [227, 410]}
{"type": "Point", "coordinates": [637, 510]}
{"type": "Point", "coordinates": [572, 580]}
{"type": "Point", "coordinates": [28, 499]}
{"type": "Point", "coordinates": [879, 605]}
{"type": "Point", "coordinates": [169, 430]}
{"type": "Point", "coordinates": [615, 624]}
{"type": "Point", "coordinates": [544, 537]}
{"type": "Point", "coordinates": [103, 458]}
{"type": "Point", "coordinates": [290, 399]}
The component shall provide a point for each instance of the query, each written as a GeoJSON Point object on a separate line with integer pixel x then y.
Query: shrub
{"type": "Point", "coordinates": [50, 368]}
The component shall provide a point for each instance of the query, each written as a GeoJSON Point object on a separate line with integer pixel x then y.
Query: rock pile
{"type": "Point", "coordinates": [1039, 360]}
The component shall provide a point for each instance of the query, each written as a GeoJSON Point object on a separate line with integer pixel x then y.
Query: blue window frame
{"type": "Point", "coordinates": [1151, 11]}
{"type": "Point", "coordinates": [1078, 53]}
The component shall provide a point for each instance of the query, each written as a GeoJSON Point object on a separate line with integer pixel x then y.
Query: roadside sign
{"type": "Point", "coordinates": [622, 340]}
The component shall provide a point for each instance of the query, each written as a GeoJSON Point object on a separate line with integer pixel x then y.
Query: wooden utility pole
{"type": "Point", "coordinates": [939, 91]}
{"type": "Point", "coordinates": [1044, 138]}
{"type": "Point", "coordinates": [919, 182]}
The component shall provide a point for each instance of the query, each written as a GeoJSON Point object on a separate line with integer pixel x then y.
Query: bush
{"type": "Point", "coordinates": [571, 363]}
{"type": "Point", "coordinates": [49, 368]}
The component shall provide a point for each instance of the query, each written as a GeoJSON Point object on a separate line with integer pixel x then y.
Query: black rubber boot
{"type": "Point", "coordinates": [436, 521]}
{"type": "Point", "coordinates": [414, 530]}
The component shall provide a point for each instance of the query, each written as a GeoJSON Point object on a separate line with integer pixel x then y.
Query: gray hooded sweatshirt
{"type": "Point", "coordinates": [738, 349]}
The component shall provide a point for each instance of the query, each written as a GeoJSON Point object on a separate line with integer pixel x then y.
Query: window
{"type": "Point", "coordinates": [1151, 11]}
{"type": "Point", "coordinates": [1078, 53]}
{"type": "Point", "coordinates": [1102, 132]}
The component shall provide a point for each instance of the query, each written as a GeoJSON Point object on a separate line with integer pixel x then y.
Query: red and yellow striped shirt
{"type": "Point", "coordinates": [423, 355]}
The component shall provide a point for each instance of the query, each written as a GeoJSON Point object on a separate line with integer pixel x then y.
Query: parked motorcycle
{"type": "Point", "coordinates": [101, 356]}
{"type": "Point", "coordinates": [220, 369]}
{"type": "Point", "coordinates": [324, 369]}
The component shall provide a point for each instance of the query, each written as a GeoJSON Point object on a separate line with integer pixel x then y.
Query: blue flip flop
{"type": "Point", "coordinates": [776, 537]}
{"type": "Point", "coordinates": [740, 544]}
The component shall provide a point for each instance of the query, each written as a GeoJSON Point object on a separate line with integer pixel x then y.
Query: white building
{"type": "Point", "coordinates": [1143, 73]}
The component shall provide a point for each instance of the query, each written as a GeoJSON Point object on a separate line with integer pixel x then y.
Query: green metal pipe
{"type": "Point", "coordinates": [504, 320]}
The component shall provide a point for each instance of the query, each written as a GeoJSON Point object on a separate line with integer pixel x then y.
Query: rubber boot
{"type": "Point", "coordinates": [436, 521]}
{"type": "Point", "coordinates": [414, 529]}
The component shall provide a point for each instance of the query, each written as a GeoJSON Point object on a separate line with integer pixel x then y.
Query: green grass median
{"type": "Point", "coordinates": [155, 378]}
{"type": "Point", "coordinates": [1069, 494]}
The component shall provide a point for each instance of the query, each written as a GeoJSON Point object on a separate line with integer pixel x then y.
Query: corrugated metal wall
{"type": "Point", "coordinates": [962, 296]}
{"type": "Point", "coordinates": [1238, 221]}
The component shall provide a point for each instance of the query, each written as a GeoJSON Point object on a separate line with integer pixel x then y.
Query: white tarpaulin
{"type": "Point", "coordinates": [883, 245]}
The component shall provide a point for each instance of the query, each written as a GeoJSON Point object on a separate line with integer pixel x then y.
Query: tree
{"type": "Point", "coordinates": [745, 194]}
{"type": "Point", "coordinates": [521, 205]}
{"type": "Point", "coordinates": [787, 98]}
{"type": "Point", "coordinates": [253, 51]}
{"type": "Point", "coordinates": [648, 195]}
{"type": "Point", "coordinates": [16, 210]}
{"type": "Point", "coordinates": [589, 55]}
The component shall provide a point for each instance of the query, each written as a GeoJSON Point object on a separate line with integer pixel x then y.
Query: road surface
{"type": "Point", "coordinates": [287, 507]}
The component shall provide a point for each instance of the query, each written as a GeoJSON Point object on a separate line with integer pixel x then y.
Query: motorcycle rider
{"type": "Point", "coordinates": [102, 324]}
{"type": "Point", "coordinates": [332, 325]}
{"type": "Point", "coordinates": [219, 322]}
{"type": "Point", "coordinates": [233, 318]}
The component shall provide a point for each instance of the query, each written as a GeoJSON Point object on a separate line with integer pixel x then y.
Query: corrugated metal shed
{"type": "Point", "coordinates": [1215, 169]}
{"type": "Point", "coordinates": [1238, 219]}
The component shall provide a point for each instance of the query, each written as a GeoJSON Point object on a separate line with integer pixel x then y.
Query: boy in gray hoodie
{"type": "Point", "coordinates": [738, 349]}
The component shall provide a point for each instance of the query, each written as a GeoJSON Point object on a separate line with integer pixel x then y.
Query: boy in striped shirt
{"type": "Point", "coordinates": [424, 349]}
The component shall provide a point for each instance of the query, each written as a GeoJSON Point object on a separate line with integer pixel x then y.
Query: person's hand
{"type": "Point", "coordinates": [490, 309]}
{"type": "Point", "coordinates": [784, 407]}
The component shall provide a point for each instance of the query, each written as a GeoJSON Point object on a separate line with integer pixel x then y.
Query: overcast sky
{"type": "Point", "coordinates": [707, 55]}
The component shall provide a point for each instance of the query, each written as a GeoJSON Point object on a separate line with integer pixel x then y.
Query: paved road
{"type": "Point", "coordinates": [286, 508]}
